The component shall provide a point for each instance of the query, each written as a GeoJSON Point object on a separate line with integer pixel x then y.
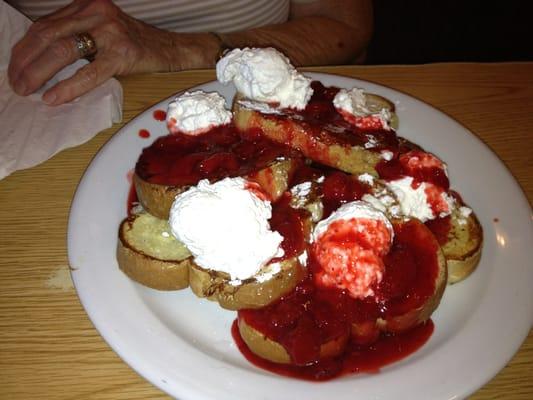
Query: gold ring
{"type": "Point", "coordinates": [85, 44]}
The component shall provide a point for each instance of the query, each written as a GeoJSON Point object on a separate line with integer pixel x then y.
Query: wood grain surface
{"type": "Point", "coordinates": [49, 348]}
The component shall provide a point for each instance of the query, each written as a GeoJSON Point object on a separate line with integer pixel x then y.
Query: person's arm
{"type": "Point", "coordinates": [320, 32]}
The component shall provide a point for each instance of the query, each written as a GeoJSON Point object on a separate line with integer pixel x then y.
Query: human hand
{"type": "Point", "coordinates": [124, 46]}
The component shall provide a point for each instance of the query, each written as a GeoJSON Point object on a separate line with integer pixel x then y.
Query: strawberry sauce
{"type": "Point", "coordinates": [423, 167]}
{"type": "Point", "coordinates": [339, 188]}
{"type": "Point", "coordinates": [440, 227]}
{"type": "Point", "coordinates": [325, 126]}
{"type": "Point", "coordinates": [357, 358]}
{"type": "Point", "coordinates": [311, 316]}
{"type": "Point", "coordinates": [184, 160]}
{"type": "Point", "coordinates": [288, 222]}
{"type": "Point", "coordinates": [144, 133]}
{"type": "Point", "coordinates": [159, 115]}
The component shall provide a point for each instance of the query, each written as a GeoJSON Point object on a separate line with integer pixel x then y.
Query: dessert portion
{"type": "Point", "coordinates": [288, 108]}
{"type": "Point", "coordinates": [245, 250]}
{"type": "Point", "coordinates": [370, 276]}
{"type": "Point", "coordinates": [319, 131]}
{"type": "Point", "coordinates": [420, 182]}
{"type": "Point", "coordinates": [332, 236]}
{"type": "Point", "coordinates": [204, 144]}
{"type": "Point", "coordinates": [150, 255]}
{"type": "Point", "coordinates": [461, 238]}
{"type": "Point", "coordinates": [210, 191]}
{"type": "Point", "coordinates": [174, 163]}
{"type": "Point", "coordinates": [353, 131]}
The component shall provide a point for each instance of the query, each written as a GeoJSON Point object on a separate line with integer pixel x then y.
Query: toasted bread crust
{"type": "Point", "coordinates": [262, 346]}
{"type": "Point", "coordinates": [155, 198]}
{"type": "Point", "coordinates": [273, 351]}
{"type": "Point", "coordinates": [410, 319]}
{"type": "Point", "coordinates": [275, 178]}
{"type": "Point", "coordinates": [404, 322]}
{"type": "Point", "coordinates": [375, 103]}
{"type": "Point", "coordinates": [461, 269]}
{"type": "Point", "coordinates": [147, 269]}
{"type": "Point", "coordinates": [463, 248]}
{"type": "Point", "coordinates": [252, 293]}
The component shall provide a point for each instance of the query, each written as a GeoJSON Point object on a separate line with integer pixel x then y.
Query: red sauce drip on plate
{"type": "Point", "coordinates": [358, 358]}
{"type": "Point", "coordinates": [159, 115]}
{"type": "Point", "coordinates": [144, 133]}
{"type": "Point", "coordinates": [311, 316]}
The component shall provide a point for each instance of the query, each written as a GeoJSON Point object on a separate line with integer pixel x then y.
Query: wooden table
{"type": "Point", "coordinates": [48, 347]}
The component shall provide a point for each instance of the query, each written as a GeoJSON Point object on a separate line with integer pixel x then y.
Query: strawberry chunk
{"type": "Point", "coordinates": [350, 255]}
{"type": "Point", "coordinates": [437, 199]}
{"type": "Point", "coordinates": [425, 167]}
{"type": "Point", "coordinates": [368, 122]}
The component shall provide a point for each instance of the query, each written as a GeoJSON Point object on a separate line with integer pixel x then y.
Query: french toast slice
{"type": "Point", "coordinates": [415, 304]}
{"type": "Point", "coordinates": [400, 304]}
{"type": "Point", "coordinates": [272, 282]}
{"type": "Point", "coordinates": [274, 179]}
{"type": "Point", "coordinates": [320, 132]}
{"type": "Point", "coordinates": [271, 350]}
{"type": "Point", "coordinates": [150, 255]}
{"type": "Point", "coordinates": [460, 235]}
{"type": "Point", "coordinates": [461, 243]}
{"type": "Point", "coordinates": [158, 198]}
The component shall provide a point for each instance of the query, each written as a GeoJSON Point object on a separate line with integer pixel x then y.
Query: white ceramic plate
{"type": "Point", "coordinates": [183, 344]}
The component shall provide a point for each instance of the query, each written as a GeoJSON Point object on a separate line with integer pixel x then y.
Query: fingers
{"type": "Point", "coordinates": [43, 37]}
{"type": "Point", "coordinates": [59, 54]}
{"type": "Point", "coordinates": [49, 46]}
{"type": "Point", "coordinates": [85, 79]}
{"type": "Point", "coordinates": [65, 11]}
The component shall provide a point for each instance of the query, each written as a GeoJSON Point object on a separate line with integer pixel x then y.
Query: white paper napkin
{"type": "Point", "coordinates": [31, 131]}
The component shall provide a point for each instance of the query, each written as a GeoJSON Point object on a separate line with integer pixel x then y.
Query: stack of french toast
{"type": "Point", "coordinates": [341, 280]}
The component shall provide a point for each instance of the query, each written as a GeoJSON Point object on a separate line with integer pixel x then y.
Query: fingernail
{"type": "Point", "coordinates": [49, 97]}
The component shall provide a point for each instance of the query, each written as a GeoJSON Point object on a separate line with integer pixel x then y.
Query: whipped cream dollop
{"type": "Point", "coordinates": [225, 226]}
{"type": "Point", "coordinates": [414, 202]}
{"type": "Point", "coordinates": [352, 210]}
{"type": "Point", "coordinates": [265, 74]}
{"type": "Point", "coordinates": [349, 247]}
{"type": "Point", "coordinates": [384, 202]}
{"type": "Point", "coordinates": [194, 113]}
{"type": "Point", "coordinates": [353, 102]}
